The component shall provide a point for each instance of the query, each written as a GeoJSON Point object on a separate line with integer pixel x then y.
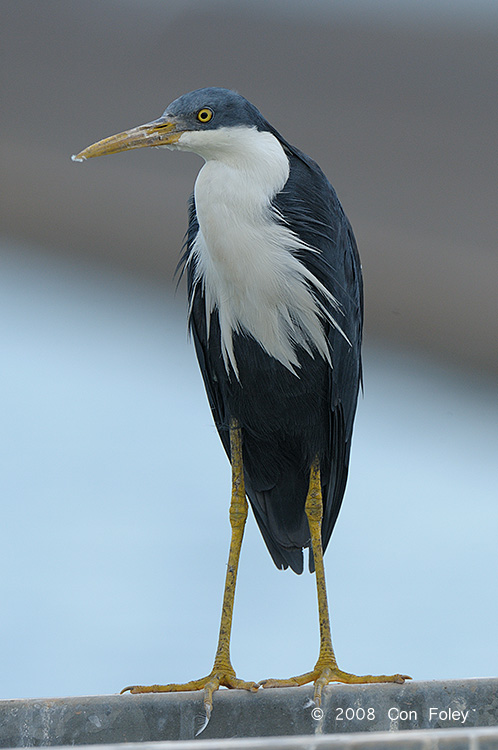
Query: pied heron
{"type": "Point", "coordinates": [275, 313]}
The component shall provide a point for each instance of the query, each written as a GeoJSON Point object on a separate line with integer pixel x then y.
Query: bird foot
{"type": "Point", "coordinates": [323, 673]}
{"type": "Point", "coordinates": [209, 684]}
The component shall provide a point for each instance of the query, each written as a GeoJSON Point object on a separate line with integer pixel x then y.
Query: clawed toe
{"type": "Point", "coordinates": [324, 674]}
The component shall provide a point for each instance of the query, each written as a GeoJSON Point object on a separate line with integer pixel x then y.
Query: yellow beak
{"type": "Point", "coordinates": [160, 132]}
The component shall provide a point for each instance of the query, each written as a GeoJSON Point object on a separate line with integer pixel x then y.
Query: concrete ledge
{"type": "Point", "coordinates": [419, 739]}
{"type": "Point", "coordinates": [108, 720]}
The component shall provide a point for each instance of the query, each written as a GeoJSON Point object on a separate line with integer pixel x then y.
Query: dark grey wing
{"type": "Point", "coordinates": [317, 217]}
{"type": "Point", "coordinates": [345, 381]}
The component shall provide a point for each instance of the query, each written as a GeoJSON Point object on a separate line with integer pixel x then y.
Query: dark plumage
{"type": "Point", "coordinates": [287, 420]}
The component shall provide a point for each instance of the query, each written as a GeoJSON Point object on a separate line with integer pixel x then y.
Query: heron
{"type": "Point", "coordinates": [275, 311]}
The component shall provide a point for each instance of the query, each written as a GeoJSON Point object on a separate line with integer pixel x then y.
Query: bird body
{"type": "Point", "coordinates": [275, 310]}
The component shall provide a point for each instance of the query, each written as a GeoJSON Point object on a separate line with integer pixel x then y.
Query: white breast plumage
{"type": "Point", "coordinates": [243, 253]}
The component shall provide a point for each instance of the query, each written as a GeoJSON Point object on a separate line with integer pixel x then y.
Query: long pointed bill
{"type": "Point", "coordinates": [161, 132]}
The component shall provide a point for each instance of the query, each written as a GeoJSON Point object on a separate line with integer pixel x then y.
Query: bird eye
{"type": "Point", "coordinates": [204, 114]}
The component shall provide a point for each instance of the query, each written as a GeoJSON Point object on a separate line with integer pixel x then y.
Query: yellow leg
{"type": "Point", "coordinates": [222, 673]}
{"type": "Point", "coordinates": [325, 669]}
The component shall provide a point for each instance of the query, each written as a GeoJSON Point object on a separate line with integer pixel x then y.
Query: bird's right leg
{"type": "Point", "coordinates": [222, 673]}
{"type": "Point", "coordinates": [325, 669]}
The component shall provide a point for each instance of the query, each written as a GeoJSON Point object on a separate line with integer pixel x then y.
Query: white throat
{"type": "Point", "coordinates": [243, 253]}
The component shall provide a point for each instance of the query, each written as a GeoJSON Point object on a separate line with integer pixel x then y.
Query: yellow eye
{"type": "Point", "coordinates": [204, 114]}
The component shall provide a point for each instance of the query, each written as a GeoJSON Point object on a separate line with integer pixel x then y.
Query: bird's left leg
{"type": "Point", "coordinates": [222, 673]}
{"type": "Point", "coordinates": [325, 669]}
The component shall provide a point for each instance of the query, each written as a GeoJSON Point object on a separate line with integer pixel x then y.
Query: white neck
{"type": "Point", "coordinates": [243, 254]}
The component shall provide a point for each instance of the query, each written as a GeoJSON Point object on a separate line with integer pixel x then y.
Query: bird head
{"type": "Point", "coordinates": [201, 121]}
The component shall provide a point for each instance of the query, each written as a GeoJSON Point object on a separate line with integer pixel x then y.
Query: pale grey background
{"type": "Point", "coordinates": [114, 486]}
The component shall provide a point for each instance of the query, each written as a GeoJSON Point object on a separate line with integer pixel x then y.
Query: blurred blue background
{"type": "Point", "coordinates": [114, 486]}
